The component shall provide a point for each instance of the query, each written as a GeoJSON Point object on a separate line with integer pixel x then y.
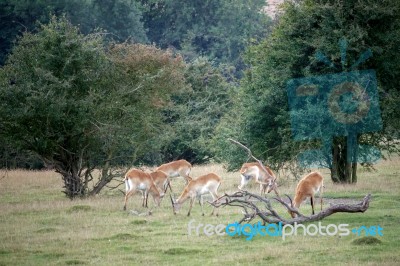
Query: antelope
{"type": "Point", "coordinates": [161, 180]}
{"type": "Point", "coordinates": [265, 179]}
{"type": "Point", "coordinates": [136, 179]}
{"type": "Point", "coordinates": [307, 187]}
{"type": "Point", "coordinates": [177, 168]}
{"type": "Point", "coordinates": [208, 183]}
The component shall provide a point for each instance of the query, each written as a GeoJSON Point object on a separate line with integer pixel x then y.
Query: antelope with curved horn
{"type": "Point", "coordinates": [307, 187]}
{"type": "Point", "coordinates": [196, 188]}
{"type": "Point", "coordinates": [136, 179]}
{"type": "Point", "coordinates": [161, 180]}
{"type": "Point", "coordinates": [266, 179]}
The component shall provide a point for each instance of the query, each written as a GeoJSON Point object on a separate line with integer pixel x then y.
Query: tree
{"type": "Point", "coordinates": [315, 38]}
{"type": "Point", "coordinates": [195, 112]}
{"type": "Point", "coordinates": [68, 101]}
{"type": "Point", "coordinates": [218, 30]}
{"type": "Point", "coordinates": [146, 79]}
{"type": "Point", "coordinates": [120, 18]}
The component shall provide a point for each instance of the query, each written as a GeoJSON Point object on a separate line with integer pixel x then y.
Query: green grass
{"type": "Point", "coordinates": [39, 226]}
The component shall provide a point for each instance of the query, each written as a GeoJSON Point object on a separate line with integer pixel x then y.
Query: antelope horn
{"type": "Point", "coordinates": [166, 187]}
{"type": "Point", "coordinates": [172, 200]}
{"type": "Point", "coordinates": [290, 199]}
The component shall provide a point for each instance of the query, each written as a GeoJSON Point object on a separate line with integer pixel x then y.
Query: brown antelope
{"type": "Point", "coordinates": [307, 187]}
{"type": "Point", "coordinates": [265, 179]}
{"type": "Point", "coordinates": [177, 168]}
{"type": "Point", "coordinates": [161, 180]}
{"type": "Point", "coordinates": [208, 183]}
{"type": "Point", "coordinates": [136, 179]}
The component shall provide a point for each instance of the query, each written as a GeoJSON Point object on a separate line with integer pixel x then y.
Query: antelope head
{"type": "Point", "coordinates": [294, 215]}
{"type": "Point", "coordinates": [175, 205]}
{"type": "Point", "coordinates": [272, 185]}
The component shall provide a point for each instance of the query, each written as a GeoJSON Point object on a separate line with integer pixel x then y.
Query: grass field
{"type": "Point", "coordinates": [39, 226]}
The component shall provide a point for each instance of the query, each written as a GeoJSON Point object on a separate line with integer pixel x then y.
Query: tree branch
{"type": "Point", "coordinates": [251, 155]}
{"type": "Point", "coordinates": [243, 200]}
{"type": "Point", "coordinates": [273, 178]}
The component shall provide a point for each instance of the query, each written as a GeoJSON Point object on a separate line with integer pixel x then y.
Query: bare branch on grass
{"type": "Point", "coordinates": [250, 203]}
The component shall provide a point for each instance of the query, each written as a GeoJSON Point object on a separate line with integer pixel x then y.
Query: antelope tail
{"type": "Point", "coordinates": [127, 186]}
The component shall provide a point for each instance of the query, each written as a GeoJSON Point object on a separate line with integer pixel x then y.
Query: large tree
{"type": "Point", "coordinates": [79, 108]}
{"type": "Point", "coordinates": [318, 38]}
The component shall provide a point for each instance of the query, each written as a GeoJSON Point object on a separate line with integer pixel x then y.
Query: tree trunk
{"type": "Point", "coordinates": [105, 178]}
{"type": "Point", "coordinates": [73, 184]}
{"type": "Point", "coordinates": [69, 167]}
{"type": "Point", "coordinates": [354, 174]}
{"type": "Point", "coordinates": [335, 166]}
{"type": "Point", "coordinates": [344, 166]}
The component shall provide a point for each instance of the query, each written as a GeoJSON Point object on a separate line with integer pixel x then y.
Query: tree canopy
{"type": "Point", "coordinates": [82, 89]}
{"type": "Point", "coordinates": [219, 30]}
{"type": "Point", "coordinates": [77, 106]}
{"type": "Point", "coordinates": [120, 18]}
{"type": "Point", "coordinates": [307, 33]}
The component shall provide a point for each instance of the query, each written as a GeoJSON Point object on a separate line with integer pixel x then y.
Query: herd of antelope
{"type": "Point", "coordinates": [157, 182]}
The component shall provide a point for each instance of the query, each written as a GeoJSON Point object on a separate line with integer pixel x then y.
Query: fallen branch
{"type": "Point", "coordinates": [250, 202]}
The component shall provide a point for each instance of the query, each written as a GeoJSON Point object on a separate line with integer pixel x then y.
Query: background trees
{"type": "Point", "coordinates": [290, 52]}
{"type": "Point", "coordinates": [77, 107]}
{"type": "Point", "coordinates": [83, 99]}
{"type": "Point", "coordinates": [120, 18]}
{"type": "Point", "coordinates": [195, 112]}
{"type": "Point", "coordinates": [218, 30]}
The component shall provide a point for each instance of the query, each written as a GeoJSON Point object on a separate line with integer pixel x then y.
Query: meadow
{"type": "Point", "coordinates": [40, 226]}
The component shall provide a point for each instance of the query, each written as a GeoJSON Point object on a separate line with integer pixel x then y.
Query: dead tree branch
{"type": "Point", "coordinates": [250, 203]}
{"type": "Point", "coordinates": [249, 153]}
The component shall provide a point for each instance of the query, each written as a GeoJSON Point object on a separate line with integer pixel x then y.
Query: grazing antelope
{"type": "Point", "coordinates": [161, 180]}
{"type": "Point", "coordinates": [136, 179]}
{"type": "Point", "coordinates": [265, 179]}
{"type": "Point", "coordinates": [177, 168]}
{"type": "Point", "coordinates": [307, 187]}
{"type": "Point", "coordinates": [208, 183]}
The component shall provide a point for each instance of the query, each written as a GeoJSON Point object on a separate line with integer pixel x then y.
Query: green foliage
{"type": "Point", "coordinates": [45, 96]}
{"type": "Point", "coordinates": [144, 80]}
{"type": "Point", "coordinates": [45, 84]}
{"type": "Point", "coordinates": [120, 18]}
{"type": "Point", "coordinates": [304, 28]}
{"type": "Point", "coordinates": [195, 113]}
{"type": "Point", "coordinates": [219, 30]}
{"type": "Point", "coordinates": [79, 108]}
